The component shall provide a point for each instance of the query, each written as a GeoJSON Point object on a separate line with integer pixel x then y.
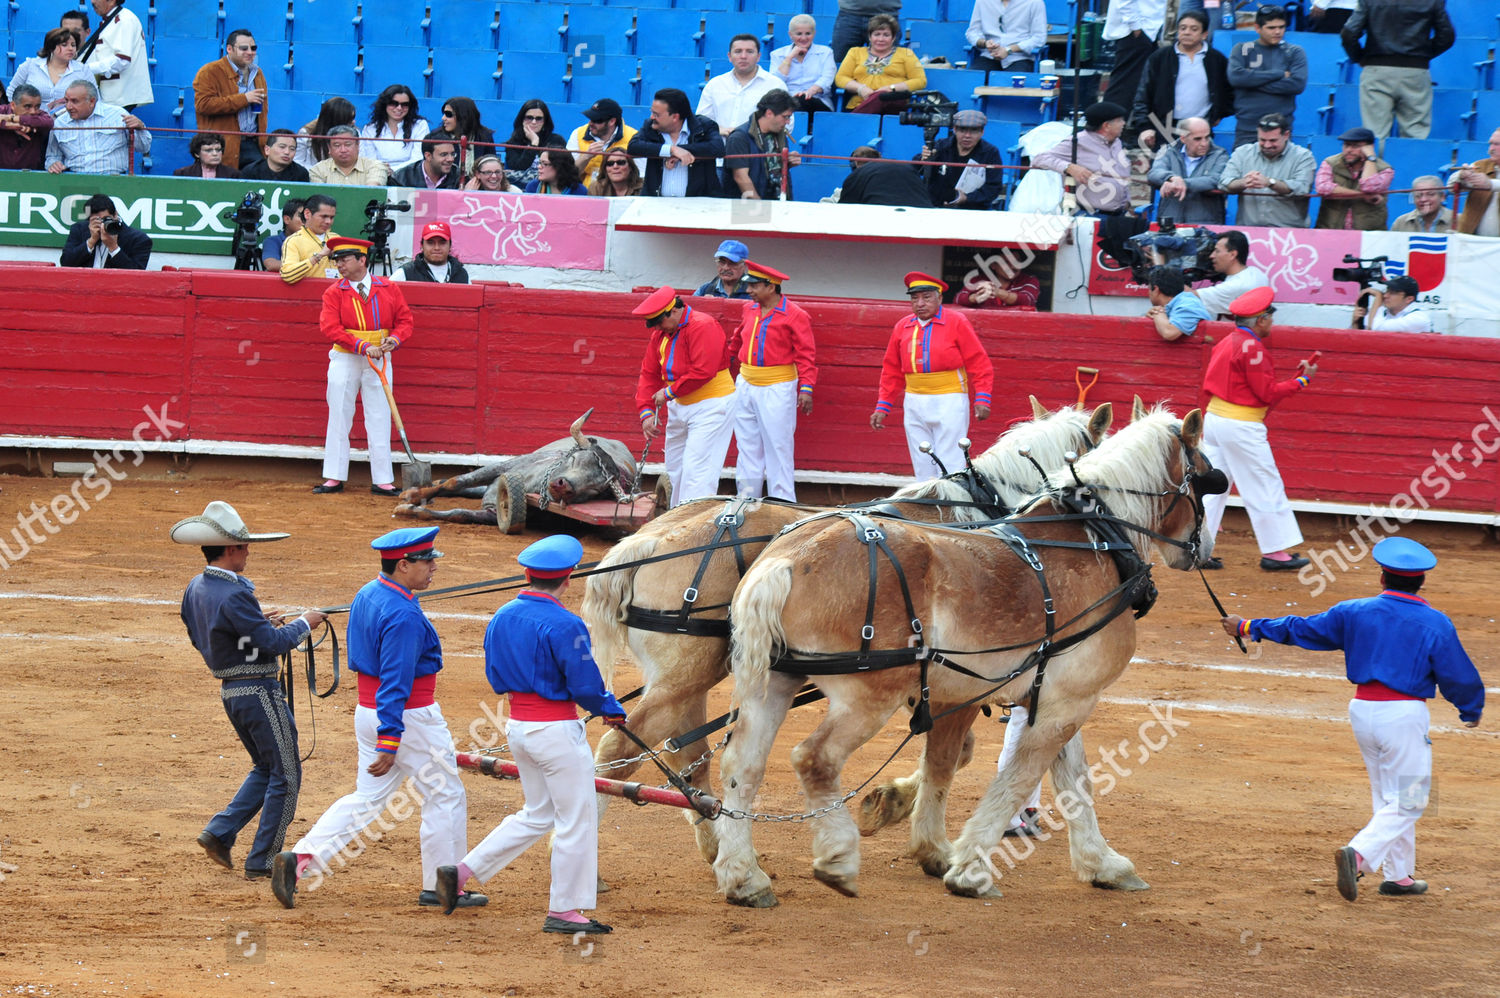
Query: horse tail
{"type": "Point", "coordinates": [607, 594]}
{"type": "Point", "coordinates": [757, 626]}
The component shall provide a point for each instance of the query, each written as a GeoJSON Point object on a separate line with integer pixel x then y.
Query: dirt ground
{"type": "Point", "coordinates": [116, 751]}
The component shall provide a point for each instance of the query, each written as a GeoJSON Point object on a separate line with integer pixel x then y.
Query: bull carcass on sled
{"type": "Point", "coordinates": [557, 477]}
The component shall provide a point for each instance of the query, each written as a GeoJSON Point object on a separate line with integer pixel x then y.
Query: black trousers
{"type": "Point", "coordinates": [1131, 53]}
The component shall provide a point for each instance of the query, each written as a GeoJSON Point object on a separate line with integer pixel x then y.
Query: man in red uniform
{"type": "Point", "coordinates": [1241, 387]}
{"type": "Point", "coordinates": [686, 368]}
{"type": "Point", "coordinates": [937, 353]}
{"type": "Point", "coordinates": [774, 346]}
{"type": "Point", "coordinates": [365, 317]}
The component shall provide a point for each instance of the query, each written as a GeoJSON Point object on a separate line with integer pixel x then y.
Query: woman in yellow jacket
{"type": "Point", "coordinates": [869, 75]}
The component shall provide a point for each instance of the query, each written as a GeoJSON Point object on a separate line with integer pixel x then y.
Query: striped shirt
{"type": "Point", "coordinates": [96, 144]}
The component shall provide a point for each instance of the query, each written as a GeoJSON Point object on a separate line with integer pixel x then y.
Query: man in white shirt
{"type": "Point", "coordinates": [92, 136]}
{"type": "Point", "coordinates": [1398, 311]}
{"type": "Point", "coordinates": [730, 98]}
{"type": "Point", "coordinates": [1133, 25]}
{"type": "Point", "coordinates": [1005, 33]}
{"type": "Point", "coordinates": [1230, 257]}
{"type": "Point", "coordinates": [118, 58]}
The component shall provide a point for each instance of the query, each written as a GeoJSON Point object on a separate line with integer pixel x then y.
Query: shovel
{"type": "Point", "coordinates": [414, 474]}
{"type": "Point", "coordinates": [1083, 389]}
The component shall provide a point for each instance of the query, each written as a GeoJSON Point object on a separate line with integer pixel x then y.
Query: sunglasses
{"type": "Point", "coordinates": [447, 112]}
{"type": "Point", "coordinates": [535, 117]}
{"type": "Point", "coordinates": [617, 162]}
{"type": "Point", "coordinates": [399, 103]}
{"type": "Point", "coordinates": [248, 48]}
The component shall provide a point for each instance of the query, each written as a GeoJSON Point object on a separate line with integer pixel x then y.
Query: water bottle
{"type": "Point", "coordinates": [1227, 18]}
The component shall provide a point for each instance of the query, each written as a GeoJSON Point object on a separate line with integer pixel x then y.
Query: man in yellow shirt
{"type": "Point", "coordinates": [604, 131]}
{"type": "Point", "coordinates": [305, 251]}
{"type": "Point", "coordinates": [344, 166]}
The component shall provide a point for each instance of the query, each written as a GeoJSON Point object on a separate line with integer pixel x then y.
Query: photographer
{"type": "Point", "coordinates": [437, 264]}
{"type": "Point", "coordinates": [970, 186]}
{"type": "Point", "coordinates": [291, 221]}
{"type": "Point", "coordinates": [1396, 310]}
{"type": "Point", "coordinates": [101, 240]}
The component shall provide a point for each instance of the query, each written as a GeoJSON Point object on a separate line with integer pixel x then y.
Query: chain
{"type": "Point", "coordinates": [739, 815]}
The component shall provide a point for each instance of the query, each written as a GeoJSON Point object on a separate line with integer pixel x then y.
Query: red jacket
{"type": "Point", "coordinates": [785, 336]}
{"type": "Point", "coordinates": [948, 344]}
{"type": "Point", "coordinates": [344, 311]}
{"type": "Point", "coordinates": [684, 361]}
{"type": "Point", "coordinates": [1240, 371]}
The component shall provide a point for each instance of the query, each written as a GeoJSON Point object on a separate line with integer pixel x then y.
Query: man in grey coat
{"type": "Point", "coordinates": [1275, 175]}
{"type": "Point", "coordinates": [1187, 173]}
{"type": "Point", "coordinates": [1267, 74]}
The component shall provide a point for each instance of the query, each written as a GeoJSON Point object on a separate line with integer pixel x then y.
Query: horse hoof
{"type": "Point", "coordinates": [847, 886]}
{"type": "Point", "coordinates": [412, 495]}
{"type": "Point", "coordinates": [935, 866]}
{"type": "Point", "coordinates": [1129, 882]}
{"type": "Point", "coordinates": [763, 898]}
{"type": "Point", "coordinates": [882, 806]}
{"type": "Point", "coordinates": [968, 891]}
{"type": "Point", "coordinates": [404, 509]}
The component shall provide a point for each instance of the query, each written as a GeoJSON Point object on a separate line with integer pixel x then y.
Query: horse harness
{"type": "Point", "coordinates": [682, 620]}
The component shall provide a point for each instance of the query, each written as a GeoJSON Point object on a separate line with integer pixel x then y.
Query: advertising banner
{"type": "Point", "coordinates": [518, 230]}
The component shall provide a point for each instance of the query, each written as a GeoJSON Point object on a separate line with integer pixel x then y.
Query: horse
{"type": "Point", "coordinates": [681, 644]}
{"type": "Point", "coordinates": [1085, 544]}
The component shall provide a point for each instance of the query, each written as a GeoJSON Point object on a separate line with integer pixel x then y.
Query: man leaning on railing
{"type": "Point", "coordinates": [94, 137]}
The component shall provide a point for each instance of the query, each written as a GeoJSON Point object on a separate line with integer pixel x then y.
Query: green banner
{"type": "Point", "coordinates": [180, 214]}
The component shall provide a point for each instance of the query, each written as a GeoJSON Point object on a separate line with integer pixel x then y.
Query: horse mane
{"type": "Point", "coordinates": [1131, 469]}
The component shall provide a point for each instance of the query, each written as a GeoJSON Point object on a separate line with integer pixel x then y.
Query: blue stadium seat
{"type": "Point", "coordinates": [1480, 20]}
{"type": "Point", "coordinates": [463, 23]}
{"type": "Point", "coordinates": [1027, 111]}
{"type": "Point", "coordinates": [670, 33]}
{"type": "Point", "coordinates": [957, 84]}
{"type": "Point", "coordinates": [837, 134]}
{"type": "Point", "coordinates": [930, 39]}
{"type": "Point", "coordinates": [323, 67]}
{"type": "Point", "coordinates": [327, 21]}
{"type": "Point", "coordinates": [37, 16]}
{"type": "Point", "coordinates": [1328, 111]}
{"type": "Point", "coordinates": [1323, 55]}
{"type": "Point", "coordinates": [465, 72]}
{"type": "Point", "coordinates": [592, 29]}
{"type": "Point", "coordinates": [387, 64]}
{"type": "Point", "coordinates": [292, 108]}
{"type": "Point", "coordinates": [530, 27]}
{"type": "Point", "coordinates": [1456, 67]}
{"type": "Point", "coordinates": [686, 75]}
{"type": "Point", "coordinates": [533, 74]}
{"type": "Point", "coordinates": [173, 20]}
{"type": "Point", "coordinates": [175, 61]}
{"type": "Point", "coordinates": [1414, 157]}
{"type": "Point", "coordinates": [1452, 113]}
{"type": "Point", "coordinates": [720, 27]}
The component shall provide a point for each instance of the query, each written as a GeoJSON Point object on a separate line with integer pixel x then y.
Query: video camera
{"type": "Point", "coordinates": [379, 229]}
{"type": "Point", "coordinates": [245, 247]}
{"type": "Point", "coordinates": [1186, 248]}
{"type": "Point", "coordinates": [1365, 272]}
{"type": "Point", "coordinates": [932, 110]}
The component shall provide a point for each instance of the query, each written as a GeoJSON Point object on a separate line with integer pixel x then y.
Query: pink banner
{"type": "Point", "coordinates": [518, 230]}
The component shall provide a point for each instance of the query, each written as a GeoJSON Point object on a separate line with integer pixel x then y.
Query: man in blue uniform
{"type": "Point", "coordinates": [1397, 651]}
{"type": "Point", "coordinates": [241, 646]}
{"type": "Point", "coordinates": [398, 724]}
{"type": "Point", "coordinates": [538, 652]}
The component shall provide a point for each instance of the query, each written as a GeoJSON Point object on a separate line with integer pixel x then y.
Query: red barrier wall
{"type": "Point", "coordinates": [502, 370]}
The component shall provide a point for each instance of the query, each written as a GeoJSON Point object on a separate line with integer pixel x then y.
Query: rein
{"type": "Point", "coordinates": [288, 677]}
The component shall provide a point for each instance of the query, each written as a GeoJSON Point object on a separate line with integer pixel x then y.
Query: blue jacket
{"type": "Point", "coordinates": [227, 626]}
{"type": "Point", "coordinates": [536, 645]}
{"type": "Point", "coordinates": [1394, 638]}
{"type": "Point", "coordinates": [392, 639]}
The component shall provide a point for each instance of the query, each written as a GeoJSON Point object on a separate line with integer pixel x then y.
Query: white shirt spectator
{"type": "Point", "coordinates": [1193, 99]}
{"type": "Point", "coordinates": [96, 144]}
{"type": "Point", "coordinates": [34, 72]}
{"type": "Point", "coordinates": [1125, 16]}
{"type": "Point", "coordinates": [674, 182]}
{"type": "Point", "coordinates": [391, 148]}
{"type": "Point", "coordinates": [1218, 297]}
{"type": "Point", "coordinates": [730, 103]}
{"type": "Point", "coordinates": [1009, 22]}
{"type": "Point", "coordinates": [120, 62]}
{"type": "Point", "coordinates": [816, 69]}
{"type": "Point", "coordinates": [1411, 319]}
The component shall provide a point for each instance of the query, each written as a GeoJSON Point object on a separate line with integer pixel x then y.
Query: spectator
{"type": "Point", "coordinates": [620, 178]}
{"type": "Point", "coordinates": [101, 241]}
{"type": "Point", "coordinates": [970, 185]}
{"type": "Point", "coordinates": [312, 138]}
{"type": "Point", "coordinates": [229, 95]}
{"type": "Point", "coordinates": [730, 98]}
{"type": "Point", "coordinates": [1004, 34]}
{"type": "Point", "coordinates": [394, 133]}
{"type": "Point", "coordinates": [291, 221]}
{"type": "Point", "coordinates": [345, 166]}
{"type": "Point", "coordinates": [1481, 215]}
{"type": "Point", "coordinates": [1402, 37]}
{"type": "Point", "coordinates": [1188, 80]}
{"type": "Point", "coordinates": [1428, 214]}
{"type": "Point", "coordinates": [766, 133]}
{"type": "Point", "coordinates": [851, 25]}
{"type": "Point", "coordinates": [532, 130]}
{"type": "Point", "coordinates": [23, 130]}
{"type": "Point", "coordinates": [1006, 286]}
{"type": "Point", "coordinates": [1279, 170]}
{"type": "Point", "coordinates": [1397, 310]}
{"type": "Point", "coordinates": [872, 180]}
{"type": "Point", "coordinates": [52, 69]}
{"type": "Point", "coordinates": [730, 283]}
{"type": "Point", "coordinates": [207, 149]}
{"type": "Point", "coordinates": [878, 78]}
{"type": "Point", "coordinates": [604, 130]}
{"type": "Point", "coordinates": [1267, 75]}
{"type": "Point", "coordinates": [305, 252]}
{"type": "Point", "coordinates": [461, 120]}
{"type": "Point", "coordinates": [556, 174]}
{"type": "Point", "coordinates": [1175, 311]}
{"type": "Point", "coordinates": [437, 264]}
{"type": "Point", "coordinates": [806, 69]}
{"type": "Point", "coordinates": [1101, 171]}
{"type": "Point", "coordinates": [92, 136]}
{"type": "Point", "coordinates": [278, 162]}
{"type": "Point", "coordinates": [75, 21]}
{"type": "Point", "coordinates": [1231, 257]}
{"type": "Point", "coordinates": [436, 170]}
{"type": "Point", "coordinates": [681, 147]}
{"type": "Point", "coordinates": [1328, 17]}
{"type": "Point", "coordinates": [1133, 25]}
{"type": "Point", "coordinates": [489, 175]}
{"type": "Point", "coordinates": [1352, 184]}
{"type": "Point", "coordinates": [1187, 174]}
{"type": "Point", "coordinates": [118, 58]}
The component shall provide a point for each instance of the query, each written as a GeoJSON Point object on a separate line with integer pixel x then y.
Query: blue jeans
{"type": "Point", "coordinates": [259, 714]}
{"type": "Point", "coordinates": [848, 33]}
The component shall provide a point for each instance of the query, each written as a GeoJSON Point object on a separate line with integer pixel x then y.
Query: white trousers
{"type": "Point", "coordinates": [557, 780]}
{"type": "Point", "coordinates": [350, 375]}
{"type": "Point", "coordinates": [694, 445]}
{"type": "Point", "coordinates": [1392, 736]}
{"type": "Point", "coordinates": [941, 420]}
{"type": "Point", "coordinates": [1008, 749]}
{"type": "Point", "coordinates": [1242, 451]}
{"type": "Point", "coordinates": [426, 757]}
{"type": "Point", "coordinates": [765, 422]}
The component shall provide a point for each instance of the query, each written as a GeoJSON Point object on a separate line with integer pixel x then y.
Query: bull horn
{"type": "Point", "coordinates": [576, 430]}
{"type": "Point", "coordinates": [1038, 411]}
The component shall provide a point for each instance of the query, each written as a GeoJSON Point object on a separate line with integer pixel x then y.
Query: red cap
{"type": "Point", "coordinates": [437, 229]}
{"type": "Point", "coordinates": [918, 281]}
{"type": "Point", "coordinates": [1252, 303]}
{"type": "Point", "coordinates": [760, 272]}
{"type": "Point", "coordinates": [655, 304]}
{"type": "Point", "coordinates": [342, 245]}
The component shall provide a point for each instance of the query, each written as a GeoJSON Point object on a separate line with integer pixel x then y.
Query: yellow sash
{"type": "Point", "coordinates": [774, 374]}
{"type": "Point", "coordinates": [1230, 410]}
{"type": "Point", "coordinates": [370, 336]}
{"type": "Point", "coordinates": [937, 383]}
{"type": "Point", "coordinates": [718, 386]}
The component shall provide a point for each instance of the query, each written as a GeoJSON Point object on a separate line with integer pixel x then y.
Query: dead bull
{"type": "Point", "coordinates": [572, 470]}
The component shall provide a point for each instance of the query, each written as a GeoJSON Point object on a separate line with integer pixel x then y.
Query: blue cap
{"type": "Point", "coordinates": [732, 250]}
{"type": "Point", "coordinates": [411, 543]}
{"type": "Point", "coordinates": [1404, 556]}
{"type": "Point", "coordinates": [552, 557]}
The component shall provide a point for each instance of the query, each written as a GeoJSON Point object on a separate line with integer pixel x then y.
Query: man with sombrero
{"type": "Point", "coordinates": [686, 368]}
{"type": "Point", "coordinates": [935, 359]}
{"type": "Point", "coordinates": [398, 725]}
{"type": "Point", "coordinates": [366, 318]}
{"type": "Point", "coordinates": [537, 652]}
{"type": "Point", "coordinates": [1398, 651]}
{"type": "Point", "coordinates": [776, 353]}
{"type": "Point", "coordinates": [241, 646]}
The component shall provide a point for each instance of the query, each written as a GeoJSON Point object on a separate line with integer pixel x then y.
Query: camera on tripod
{"type": "Point", "coordinates": [1365, 272]}
{"type": "Point", "coordinates": [1188, 248]}
{"type": "Point", "coordinates": [379, 227]}
{"type": "Point", "coordinates": [245, 246]}
{"type": "Point", "coordinates": [932, 110]}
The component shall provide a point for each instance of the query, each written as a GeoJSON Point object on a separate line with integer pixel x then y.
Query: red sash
{"type": "Point", "coordinates": [530, 707]}
{"type": "Point", "coordinates": [1376, 690]}
{"type": "Point", "coordinates": [423, 691]}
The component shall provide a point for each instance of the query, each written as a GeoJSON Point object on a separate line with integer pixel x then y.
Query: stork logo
{"type": "Point", "coordinates": [1426, 261]}
{"type": "Point", "coordinates": [514, 226]}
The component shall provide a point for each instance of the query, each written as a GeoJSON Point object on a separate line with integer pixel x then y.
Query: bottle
{"type": "Point", "coordinates": [1227, 21]}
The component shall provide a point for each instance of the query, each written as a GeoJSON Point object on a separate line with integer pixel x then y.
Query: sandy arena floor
{"type": "Point", "coordinates": [116, 751]}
